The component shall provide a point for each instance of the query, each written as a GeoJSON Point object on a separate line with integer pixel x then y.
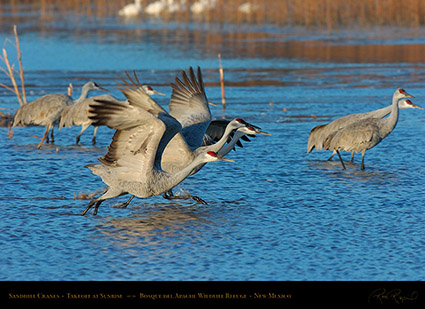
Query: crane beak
{"type": "Point", "coordinates": [226, 159]}
{"type": "Point", "coordinates": [417, 106]}
{"type": "Point", "coordinates": [211, 103]}
{"type": "Point", "coordinates": [265, 133]}
{"type": "Point", "coordinates": [409, 95]}
{"type": "Point", "coordinates": [257, 131]}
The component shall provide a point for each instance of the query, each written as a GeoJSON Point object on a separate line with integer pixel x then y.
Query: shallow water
{"type": "Point", "coordinates": [278, 213]}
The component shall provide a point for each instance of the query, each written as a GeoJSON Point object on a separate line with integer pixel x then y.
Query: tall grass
{"type": "Point", "coordinates": [330, 14]}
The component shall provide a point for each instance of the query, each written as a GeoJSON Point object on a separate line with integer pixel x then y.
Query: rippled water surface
{"type": "Point", "coordinates": [278, 213]}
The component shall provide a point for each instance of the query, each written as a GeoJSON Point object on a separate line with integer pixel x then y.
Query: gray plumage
{"type": "Point", "coordinates": [319, 134]}
{"type": "Point", "coordinates": [362, 135]}
{"type": "Point", "coordinates": [46, 110]}
{"type": "Point", "coordinates": [133, 162]}
{"type": "Point", "coordinates": [77, 114]}
{"type": "Point", "coordinates": [189, 105]}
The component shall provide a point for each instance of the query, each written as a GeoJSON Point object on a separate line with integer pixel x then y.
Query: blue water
{"type": "Point", "coordinates": [278, 213]}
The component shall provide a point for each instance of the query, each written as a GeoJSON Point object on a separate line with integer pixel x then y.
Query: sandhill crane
{"type": "Point", "coordinates": [319, 133]}
{"type": "Point", "coordinates": [143, 130]}
{"type": "Point", "coordinates": [189, 105]}
{"type": "Point", "coordinates": [77, 113]}
{"type": "Point", "coordinates": [223, 150]}
{"type": "Point", "coordinates": [363, 134]}
{"type": "Point", "coordinates": [131, 9]}
{"type": "Point", "coordinates": [46, 110]}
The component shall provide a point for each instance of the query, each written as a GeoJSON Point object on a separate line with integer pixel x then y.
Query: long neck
{"type": "Point", "coordinates": [170, 180]}
{"type": "Point", "coordinates": [390, 122]}
{"type": "Point", "coordinates": [229, 146]}
{"type": "Point", "coordinates": [84, 94]}
{"type": "Point", "coordinates": [220, 143]}
{"type": "Point", "coordinates": [380, 113]}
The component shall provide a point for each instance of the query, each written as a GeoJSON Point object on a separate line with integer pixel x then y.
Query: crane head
{"type": "Point", "coordinates": [249, 130]}
{"type": "Point", "coordinates": [212, 156]}
{"type": "Point", "coordinates": [408, 104]}
{"type": "Point", "coordinates": [401, 93]}
{"type": "Point", "coordinates": [90, 85]}
{"type": "Point", "coordinates": [150, 91]}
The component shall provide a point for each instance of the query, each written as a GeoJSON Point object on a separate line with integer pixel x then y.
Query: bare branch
{"type": "Point", "coordinates": [21, 69]}
{"type": "Point", "coordinates": [6, 61]}
{"type": "Point", "coordinates": [8, 88]}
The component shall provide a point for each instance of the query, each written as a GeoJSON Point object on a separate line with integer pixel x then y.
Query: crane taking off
{"type": "Point", "coordinates": [143, 130]}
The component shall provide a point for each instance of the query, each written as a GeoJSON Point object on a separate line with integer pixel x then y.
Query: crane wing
{"type": "Point", "coordinates": [189, 105]}
{"type": "Point", "coordinates": [42, 110]}
{"type": "Point", "coordinates": [141, 134]}
{"type": "Point", "coordinates": [216, 130]}
{"type": "Point", "coordinates": [354, 137]}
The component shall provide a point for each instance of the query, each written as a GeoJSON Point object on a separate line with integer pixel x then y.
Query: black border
{"type": "Point", "coordinates": [223, 292]}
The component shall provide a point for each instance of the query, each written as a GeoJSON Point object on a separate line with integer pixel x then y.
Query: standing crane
{"type": "Point", "coordinates": [319, 133]}
{"type": "Point", "coordinates": [364, 134]}
{"type": "Point", "coordinates": [46, 110]}
{"type": "Point", "coordinates": [143, 130]}
{"type": "Point", "coordinates": [77, 114]}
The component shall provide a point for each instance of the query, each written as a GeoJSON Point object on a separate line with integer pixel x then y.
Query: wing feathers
{"type": "Point", "coordinates": [143, 128]}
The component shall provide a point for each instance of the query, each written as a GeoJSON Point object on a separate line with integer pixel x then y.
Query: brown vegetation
{"type": "Point", "coordinates": [330, 14]}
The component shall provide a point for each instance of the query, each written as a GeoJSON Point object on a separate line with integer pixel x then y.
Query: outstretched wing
{"type": "Point", "coordinates": [143, 129]}
{"type": "Point", "coordinates": [189, 105]}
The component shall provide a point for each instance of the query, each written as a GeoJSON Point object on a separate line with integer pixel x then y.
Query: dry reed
{"type": "Point", "coordinates": [9, 71]}
{"type": "Point", "coordinates": [220, 69]}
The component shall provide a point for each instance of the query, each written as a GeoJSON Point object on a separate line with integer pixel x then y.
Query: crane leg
{"type": "Point", "coordinates": [93, 141]}
{"type": "Point", "coordinates": [170, 196]}
{"type": "Point", "coordinates": [125, 204]}
{"type": "Point", "coordinates": [342, 162]}
{"type": "Point", "coordinates": [83, 128]}
{"type": "Point", "coordinates": [96, 204]}
{"type": "Point", "coordinates": [44, 136]}
{"type": "Point", "coordinates": [77, 140]}
{"type": "Point", "coordinates": [352, 157]}
{"type": "Point", "coordinates": [52, 138]}
{"type": "Point", "coordinates": [362, 166]}
{"type": "Point", "coordinates": [332, 155]}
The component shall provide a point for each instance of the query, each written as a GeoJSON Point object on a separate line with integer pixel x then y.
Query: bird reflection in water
{"type": "Point", "coordinates": [153, 220]}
